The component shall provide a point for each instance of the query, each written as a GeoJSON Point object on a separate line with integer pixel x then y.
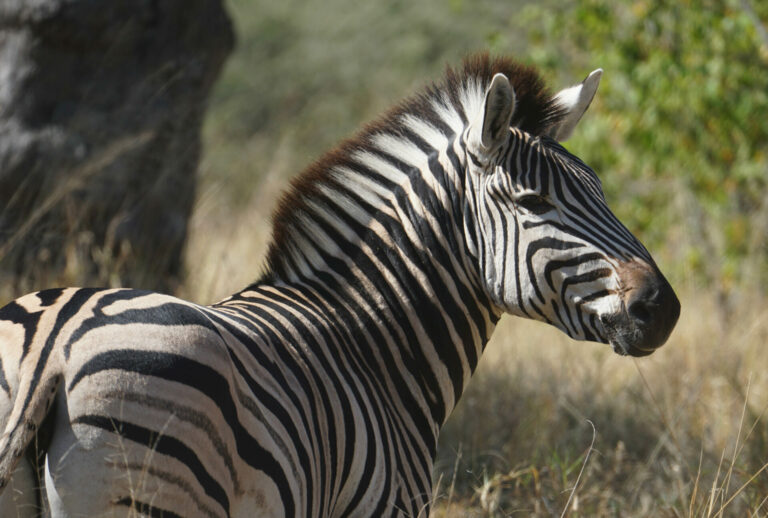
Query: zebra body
{"type": "Point", "coordinates": [320, 389]}
{"type": "Point", "coordinates": [240, 428]}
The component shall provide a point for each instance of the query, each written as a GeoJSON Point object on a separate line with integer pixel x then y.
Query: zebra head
{"type": "Point", "coordinates": [547, 245]}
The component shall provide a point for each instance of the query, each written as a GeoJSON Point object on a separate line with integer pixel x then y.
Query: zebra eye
{"type": "Point", "coordinates": [534, 203]}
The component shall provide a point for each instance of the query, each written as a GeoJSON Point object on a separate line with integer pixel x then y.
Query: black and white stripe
{"type": "Point", "coordinates": [320, 389]}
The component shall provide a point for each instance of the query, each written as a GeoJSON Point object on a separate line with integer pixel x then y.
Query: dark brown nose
{"type": "Point", "coordinates": [651, 309]}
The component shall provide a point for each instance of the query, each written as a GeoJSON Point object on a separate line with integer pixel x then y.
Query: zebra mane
{"type": "Point", "coordinates": [460, 88]}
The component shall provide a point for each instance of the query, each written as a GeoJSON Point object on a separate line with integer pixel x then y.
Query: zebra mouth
{"type": "Point", "coordinates": [623, 339]}
{"type": "Point", "coordinates": [628, 338]}
{"type": "Point", "coordinates": [623, 349]}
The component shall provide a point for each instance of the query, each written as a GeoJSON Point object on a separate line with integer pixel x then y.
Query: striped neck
{"type": "Point", "coordinates": [386, 236]}
{"type": "Point", "coordinates": [381, 220]}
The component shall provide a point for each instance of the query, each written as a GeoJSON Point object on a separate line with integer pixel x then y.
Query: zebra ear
{"type": "Point", "coordinates": [497, 112]}
{"type": "Point", "coordinates": [575, 101]}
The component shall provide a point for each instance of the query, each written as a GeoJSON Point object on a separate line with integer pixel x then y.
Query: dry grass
{"type": "Point", "coordinates": [226, 245]}
{"type": "Point", "coordinates": [682, 433]}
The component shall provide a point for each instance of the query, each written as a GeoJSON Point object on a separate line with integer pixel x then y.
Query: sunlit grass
{"type": "Point", "coordinates": [682, 433]}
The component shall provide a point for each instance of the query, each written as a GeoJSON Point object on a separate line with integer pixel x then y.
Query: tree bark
{"type": "Point", "coordinates": [101, 106]}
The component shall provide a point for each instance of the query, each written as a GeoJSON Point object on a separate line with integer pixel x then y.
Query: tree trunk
{"type": "Point", "coordinates": [101, 105]}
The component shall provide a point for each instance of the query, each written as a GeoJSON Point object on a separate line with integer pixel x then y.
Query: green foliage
{"type": "Point", "coordinates": [679, 131]}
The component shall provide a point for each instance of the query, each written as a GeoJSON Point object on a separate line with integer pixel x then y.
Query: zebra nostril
{"type": "Point", "coordinates": [645, 305]}
{"type": "Point", "coordinates": [640, 310]}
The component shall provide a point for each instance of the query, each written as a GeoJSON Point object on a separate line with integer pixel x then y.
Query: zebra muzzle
{"type": "Point", "coordinates": [650, 310]}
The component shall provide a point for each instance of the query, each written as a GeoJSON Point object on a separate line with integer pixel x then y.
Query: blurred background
{"type": "Point", "coordinates": [678, 134]}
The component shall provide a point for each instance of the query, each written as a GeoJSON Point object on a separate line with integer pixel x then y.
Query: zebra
{"type": "Point", "coordinates": [320, 389]}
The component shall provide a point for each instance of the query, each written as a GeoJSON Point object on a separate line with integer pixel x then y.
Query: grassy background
{"type": "Point", "coordinates": [678, 135]}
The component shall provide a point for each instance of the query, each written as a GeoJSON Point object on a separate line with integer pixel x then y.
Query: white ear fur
{"type": "Point", "coordinates": [575, 100]}
{"type": "Point", "coordinates": [498, 107]}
